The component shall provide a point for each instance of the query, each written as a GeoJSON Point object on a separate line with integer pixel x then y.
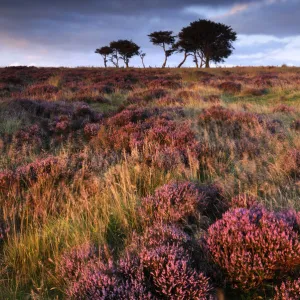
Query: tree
{"type": "Point", "coordinates": [142, 56]}
{"type": "Point", "coordinates": [104, 52]}
{"type": "Point", "coordinates": [124, 50]}
{"type": "Point", "coordinates": [183, 46]}
{"type": "Point", "coordinates": [163, 39]}
{"type": "Point", "coordinates": [211, 41]}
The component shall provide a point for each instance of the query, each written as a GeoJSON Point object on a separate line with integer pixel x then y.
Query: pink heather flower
{"type": "Point", "coordinates": [171, 274]}
{"type": "Point", "coordinates": [91, 129]}
{"type": "Point", "coordinates": [253, 245]}
{"type": "Point", "coordinates": [289, 290]}
{"type": "Point", "coordinates": [174, 202]}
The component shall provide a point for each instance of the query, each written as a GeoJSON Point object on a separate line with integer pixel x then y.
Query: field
{"type": "Point", "coordinates": [149, 183]}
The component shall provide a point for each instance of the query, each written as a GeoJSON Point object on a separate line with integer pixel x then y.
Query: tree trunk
{"type": "Point", "coordinates": [165, 62]}
{"type": "Point", "coordinates": [196, 60]}
{"type": "Point", "coordinates": [184, 59]}
{"type": "Point", "coordinates": [126, 60]}
{"type": "Point", "coordinates": [105, 62]}
{"type": "Point", "coordinates": [207, 62]}
{"type": "Point", "coordinates": [143, 62]}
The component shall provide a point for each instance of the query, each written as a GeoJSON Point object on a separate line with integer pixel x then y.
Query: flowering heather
{"type": "Point", "coordinates": [296, 125]}
{"type": "Point", "coordinates": [289, 290]}
{"type": "Point", "coordinates": [212, 99]}
{"type": "Point", "coordinates": [87, 276]}
{"type": "Point", "coordinates": [135, 130]}
{"type": "Point", "coordinates": [165, 83]}
{"type": "Point", "coordinates": [156, 168]}
{"type": "Point", "coordinates": [171, 274]}
{"type": "Point", "coordinates": [6, 180]}
{"type": "Point", "coordinates": [253, 246]}
{"type": "Point", "coordinates": [291, 163]}
{"type": "Point", "coordinates": [243, 201]}
{"type": "Point", "coordinates": [162, 234]}
{"type": "Point", "coordinates": [223, 115]}
{"type": "Point", "coordinates": [146, 95]}
{"type": "Point", "coordinates": [283, 108]}
{"type": "Point", "coordinates": [73, 261]}
{"type": "Point", "coordinates": [31, 134]}
{"type": "Point", "coordinates": [230, 87]}
{"type": "Point", "coordinates": [132, 284]}
{"type": "Point", "coordinates": [41, 90]}
{"type": "Point", "coordinates": [91, 129]}
{"type": "Point", "coordinates": [229, 122]}
{"type": "Point", "coordinates": [174, 202]}
{"type": "Point", "coordinates": [32, 171]}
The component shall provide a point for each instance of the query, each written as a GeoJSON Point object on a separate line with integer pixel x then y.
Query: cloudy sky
{"type": "Point", "coordinates": [66, 33]}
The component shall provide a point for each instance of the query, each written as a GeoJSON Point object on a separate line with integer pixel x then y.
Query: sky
{"type": "Point", "coordinates": [66, 33]}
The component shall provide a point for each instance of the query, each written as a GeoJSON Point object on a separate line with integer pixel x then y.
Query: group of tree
{"type": "Point", "coordinates": [205, 41]}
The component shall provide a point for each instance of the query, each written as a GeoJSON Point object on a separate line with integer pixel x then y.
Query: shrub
{"type": "Point", "coordinates": [41, 90]}
{"type": "Point", "coordinates": [230, 87]}
{"type": "Point", "coordinates": [283, 108]}
{"type": "Point", "coordinates": [151, 128]}
{"type": "Point", "coordinates": [296, 125]}
{"type": "Point", "coordinates": [229, 122]}
{"type": "Point", "coordinates": [87, 276]}
{"type": "Point", "coordinates": [253, 246]}
{"type": "Point", "coordinates": [170, 272]}
{"type": "Point", "coordinates": [146, 95]}
{"type": "Point", "coordinates": [291, 163]}
{"type": "Point", "coordinates": [174, 202]}
{"type": "Point", "coordinates": [289, 290]}
{"type": "Point", "coordinates": [243, 201]}
{"type": "Point", "coordinates": [91, 129]}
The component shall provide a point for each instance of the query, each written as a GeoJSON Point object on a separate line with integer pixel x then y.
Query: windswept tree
{"type": "Point", "coordinates": [164, 39]}
{"type": "Point", "coordinates": [211, 41]}
{"type": "Point", "coordinates": [114, 57]}
{"type": "Point", "coordinates": [105, 52]}
{"type": "Point", "coordinates": [124, 50]}
{"type": "Point", "coordinates": [142, 56]}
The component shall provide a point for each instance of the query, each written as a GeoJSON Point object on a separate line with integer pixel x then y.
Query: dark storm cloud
{"type": "Point", "coordinates": [274, 17]}
{"type": "Point", "coordinates": [55, 28]}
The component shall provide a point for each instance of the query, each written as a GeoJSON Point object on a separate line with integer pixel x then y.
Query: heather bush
{"type": "Point", "coordinates": [138, 128]}
{"type": "Point", "coordinates": [170, 271]}
{"type": "Point", "coordinates": [229, 122]}
{"type": "Point", "coordinates": [88, 275]}
{"type": "Point", "coordinates": [283, 108]}
{"type": "Point", "coordinates": [243, 201]}
{"type": "Point", "coordinates": [41, 90]}
{"type": "Point", "coordinates": [253, 246]}
{"type": "Point", "coordinates": [291, 163]}
{"type": "Point", "coordinates": [184, 203]}
{"type": "Point", "coordinates": [174, 202]}
{"type": "Point", "coordinates": [146, 95]}
{"type": "Point", "coordinates": [230, 87]}
{"type": "Point", "coordinates": [296, 125]}
{"type": "Point", "coordinates": [289, 290]}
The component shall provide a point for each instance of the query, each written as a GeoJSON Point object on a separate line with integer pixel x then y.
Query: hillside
{"type": "Point", "coordinates": [149, 183]}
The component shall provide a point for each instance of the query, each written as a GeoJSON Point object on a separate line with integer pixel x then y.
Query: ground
{"type": "Point", "coordinates": [94, 162]}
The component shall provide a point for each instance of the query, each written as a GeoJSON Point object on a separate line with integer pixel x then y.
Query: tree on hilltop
{"type": "Point", "coordinates": [105, 52]}
{"type": "Point", "coordinates": [209, 40]}
{"type": "Point", "coordinates": [124, 50]}
{"type": "Point", "coordinates": [164, 39]}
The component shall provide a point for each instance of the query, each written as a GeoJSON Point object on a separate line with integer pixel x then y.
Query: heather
{"type": "Point", "coordinates": [149, 183]}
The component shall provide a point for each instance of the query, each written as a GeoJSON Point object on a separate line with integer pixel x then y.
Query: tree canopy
{"type": "Point", "coordinates": [210, 40]}
{"type": "Point", "coordinates": [163, 39]}
{"type": "Point", "coordinates": [124, 50]}
{"type": "Point", "coordinates": [206, 41]}
{"type": "Point", "coordinates": [104, 52]}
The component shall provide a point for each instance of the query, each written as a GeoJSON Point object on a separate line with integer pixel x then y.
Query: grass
{"type": "Point", "coordinates": [97, 196]}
